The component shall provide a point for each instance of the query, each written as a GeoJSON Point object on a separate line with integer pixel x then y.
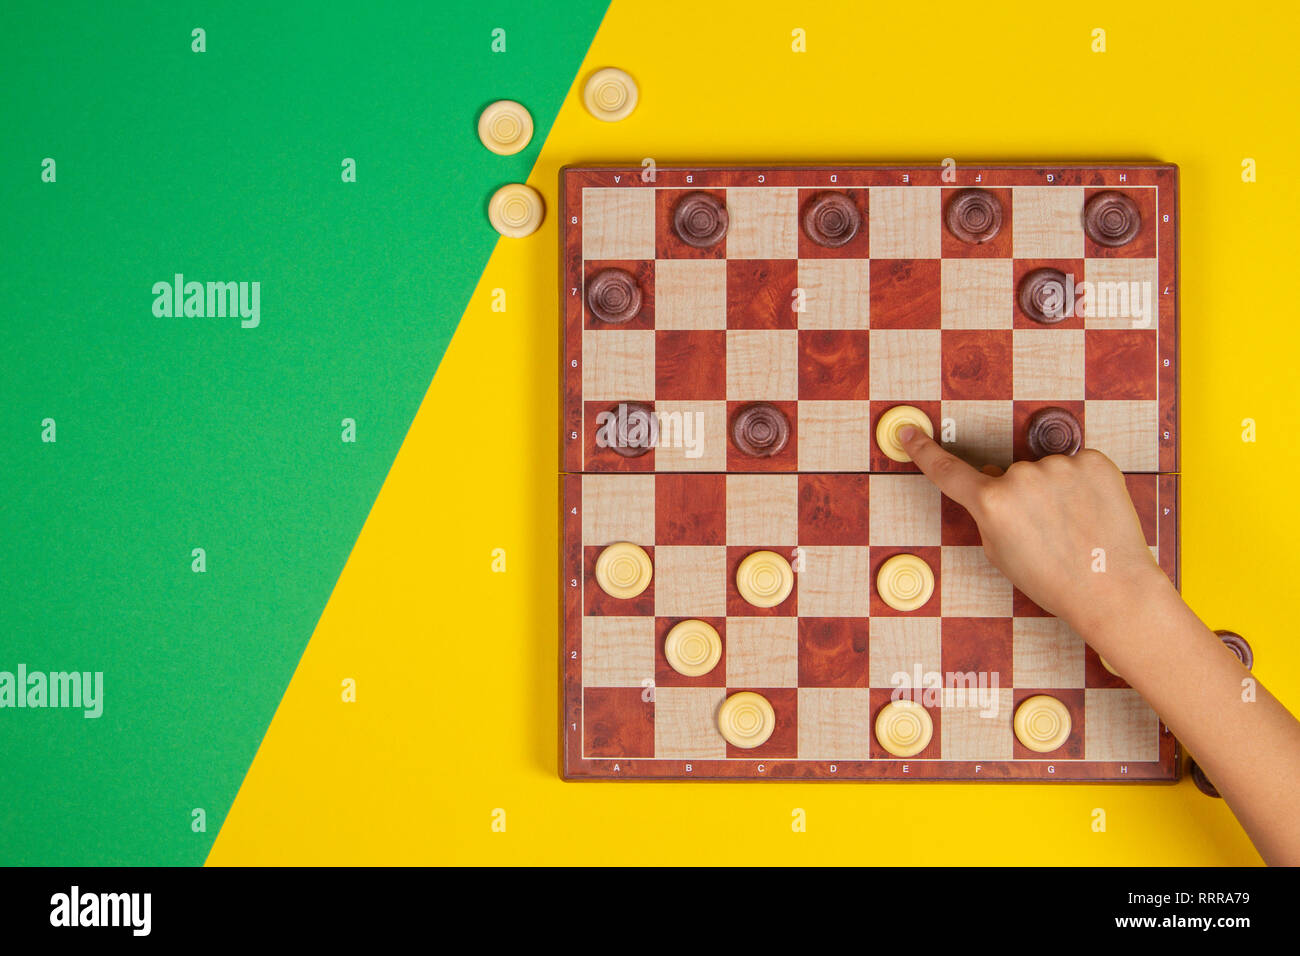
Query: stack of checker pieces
{"type": "Point", "coordinates": [732, 338]}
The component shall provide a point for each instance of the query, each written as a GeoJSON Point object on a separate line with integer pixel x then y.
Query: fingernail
{"type": "Point", "coordinates": [906, 433]}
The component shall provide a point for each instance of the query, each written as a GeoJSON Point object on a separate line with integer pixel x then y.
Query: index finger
{"type": "Point", "coordinates": [954, 477]}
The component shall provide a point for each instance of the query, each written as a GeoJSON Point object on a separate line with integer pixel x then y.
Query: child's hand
{"type": "Point", "coordinates": [1062, 529]}
{"type": "Point", "coordinates": [1048, 525]}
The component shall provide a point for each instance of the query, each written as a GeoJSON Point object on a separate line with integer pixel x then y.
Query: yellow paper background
{"type": "Point", "coordinates": [457, 667]}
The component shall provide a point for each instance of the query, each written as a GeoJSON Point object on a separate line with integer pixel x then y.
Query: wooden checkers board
{"type": "Point", "coordinates": [832, 326]}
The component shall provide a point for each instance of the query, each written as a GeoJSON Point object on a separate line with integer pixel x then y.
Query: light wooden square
{"type": "Point", "coordinates": [904, 511]}
{"type": "Point", "coordinates": [905, 364]}
{"type": "Point", "coordinates": [1047, 222]}
{"type": "Point", "coordinates": [971, 586]}
{"type": "Point", "coordinates": [692, 436]}
{"type": "Point", "coordinates": [618, 508]}
{"type": "Point", "coordinates": [837, 293]}
{"type": "Point", "coordinates": [1119, 725]}
{"type": "Point", "coordinates": [1046, 653]}
{"type": "Point", "coordinates": [691, 294]}
{"type": "Point", "coordinates": [835, 582]}
{"type": "Point", "coordinates": [763, 510]}
{"type": "Point", "coordinates": [690, 581]}
{"type": "Point", "coordinates": [762, 364]}
{"type": "Point", "coordinates": [1127, 432]}
{"type": "Point", "coordinates": [686, 726]}
{"type": "Point", "coordinates": [982, 732]}
{"type": "Point", "coordinates": [762, 651]}
{"type": "Point", "coordinates": [901, 645]}
{"type": "Point", "coordinates": [983, 432]}
{"type": "Point", "coordinates": [618, 364]}
{"type": "Point", "coordinates": [618, 223]}
{"type": "Point", "coordinates": [834, 723]}
{"type": "Point", "coordinates": [1121, 294]}
{"type": "Point", "coordinates": [977, 294]}
{"type": "Point", "coordinates": [1047, 364]}
{"type": "Point", "coordinates": [834, 436]}
{"type": "Point", "coordinates": [764, 223]}
{"type": "Point", "coordinates": [905, 222]}
{"type": "Point", "coordinates": [618, 651]}
{"type": "Point", "coordinates": [978, 690]}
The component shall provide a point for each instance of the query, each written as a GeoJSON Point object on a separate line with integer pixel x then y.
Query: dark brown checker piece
{"type": "Point", "coordinates": [700, 220]}
{"type": "Point", "coordinates": [635, 429]}
{"type": "Point", "coordinates": [1202, 781]}
{"type": "Point", "coordinates": [1237, 644]}
{"type": "Point", "coordinates": [974, 215]}
{"type": "Point", "coordinates": [760, 430]}
{"type": "Point", "coordinates": [613, 296]}
{"type": "Point", "coordinates": [831, 219]}
{"type": "Point", "coordinates": [1111, 219]}
{"type": "Point", "coordinates": [1043, 296]}
{"type": "Point", "coordinates": [1053, 431]}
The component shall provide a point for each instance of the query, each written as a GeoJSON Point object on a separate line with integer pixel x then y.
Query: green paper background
{"type": "Point", "coordinates": [194, 432]}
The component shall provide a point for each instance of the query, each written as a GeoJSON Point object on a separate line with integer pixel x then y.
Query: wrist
{"type": "Point", "coordinates": [1139, 604]}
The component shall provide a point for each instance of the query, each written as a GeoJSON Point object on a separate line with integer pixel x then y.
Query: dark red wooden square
{"type": "Point", "coordinates": [1142, 491]}
{"type": "Point", "coordinates": [982, 645]}
{"type": "Point", "coordinates": [784, 742]}
{"type": "Point", "coordinates": [690, 365]}
{"type": "Point", "coordinates": [643, 270]}
{"type": "Point", "coordinates": [833, 652]}
{"type": "Point", "coordinates": [834, 365]}
{"type": "Point", "coordinates": [603, 458]}
{"type": "Point", "coordinates": [1021, 412]}
{"type": "Point", "coordinates": [1022, 606]}
{"type": "Point", "coordinates": [1143, 245]}
{"type": "Point", "coordinates": [958, 528]}
{"type": "Point", "coordinates": [597, 602]}
{"type": "Point", "coordinates": [905, 293]}
{"type": "Point", "coordinates": [976, 364]}
{"type": "Point", "coordinates": [616, 722]}
{"type": "Point", "coordinates": [931, 556]}
{"type": "Point", "coordinates": [1120, 364]}
{"type": "Point", "coordinates": [1022, 267]}
{"type": "Point", "coordinates": [667, 244]}
{"type": "Point", "coordinates": [665, 676]}
{"type": "Point", "coordinates": [834, 510]}
{"type": "Point", "coordinates": [787, 459]}
{"type": "Point", "coordinates": [882, 462]}
{"type": "Point", "coordinates": [760, 293]}
{"type": "Point", "coordinates": [1072, 749]}
{"type": "Point", "coordinates": [1095, 674]}
{"type": "Point", "coordinates": [859, 247]}
{"type": "Point", "coordinates": [737, 606]}
{"type": "Point", "coordinates": [880, 696]}
{"type": "Point", "coordinates": [999, 247]}
{"type": "Point", "coordinates": [690, 509]}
